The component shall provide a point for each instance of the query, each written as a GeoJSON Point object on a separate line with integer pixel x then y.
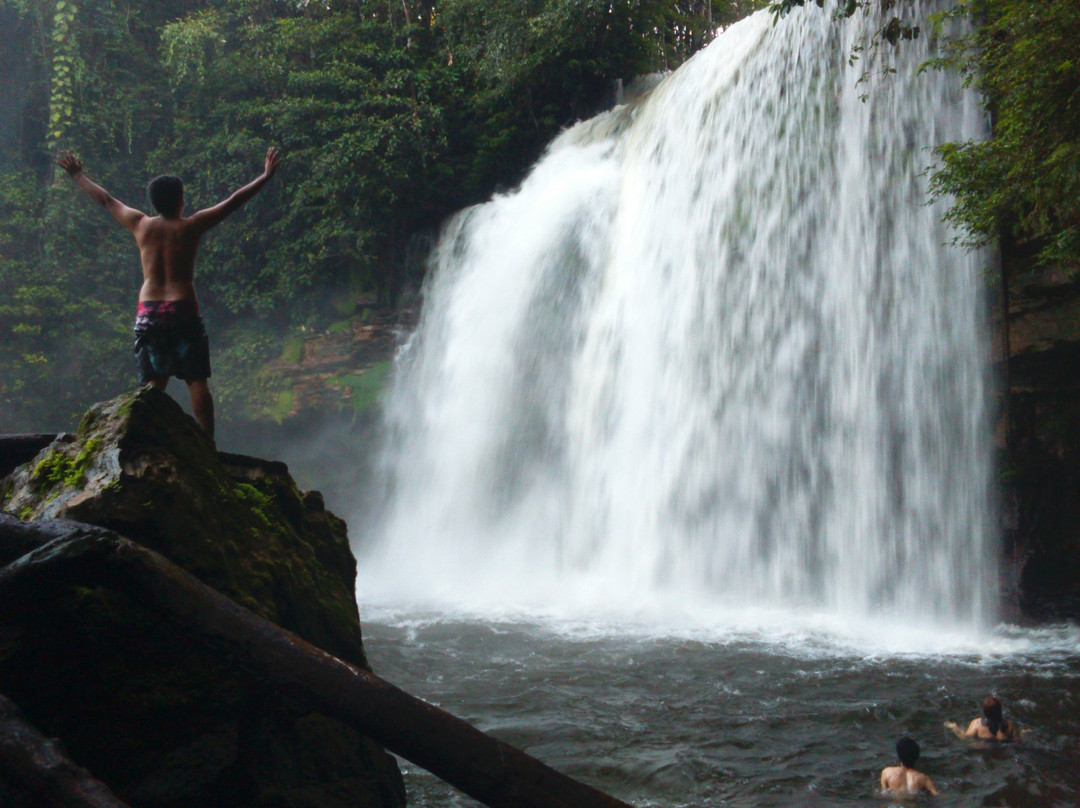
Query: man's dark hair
{"type": "Point", "coordinates": [908, 751]}
{"type": "Point", "coordinates": [166, 192]}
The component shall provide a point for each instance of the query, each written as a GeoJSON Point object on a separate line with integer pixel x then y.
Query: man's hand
{"type": "Point", "coordinates": [128, 217]}
{"type": "Point", "coordinates": [273, 160]}
{"type": "Point", "coordinates": [69, 162]}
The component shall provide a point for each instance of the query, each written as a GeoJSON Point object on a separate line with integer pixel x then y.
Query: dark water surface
{"type": "Point", "coordinates": [739, 720]}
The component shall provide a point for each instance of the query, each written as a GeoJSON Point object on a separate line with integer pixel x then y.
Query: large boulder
{"type": "Point", "coordinates": [148, 710]}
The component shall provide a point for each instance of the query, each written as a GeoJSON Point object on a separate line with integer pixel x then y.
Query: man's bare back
{"type": "Point", "coordinates": [904, 780]}
{"type": "Point", "coordinates": [170, 338]}
{"type": "Point", "coordinates": [167, 250]}
{"type": "Point", "coordinates": [168, 243]}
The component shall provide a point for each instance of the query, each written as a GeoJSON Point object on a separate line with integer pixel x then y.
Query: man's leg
{"type": "Point", "coordinates": [203, 404]}
{"type": "Point", "coordinates": [159, 384]}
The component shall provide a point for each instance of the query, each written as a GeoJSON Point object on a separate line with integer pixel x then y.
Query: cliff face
{"type": "Point", "coordinates": [140, 704]}
{"type": "Point", "coordinates": [1041, 470]}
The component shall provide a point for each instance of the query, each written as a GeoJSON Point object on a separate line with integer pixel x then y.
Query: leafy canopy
{"type": "Point", "coordinates": [1024, 182]}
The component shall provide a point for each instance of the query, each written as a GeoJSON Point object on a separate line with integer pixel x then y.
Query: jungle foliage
{"type": "Point", "coordinates": [391, 115]}
{"type": "Point", "coordinates": [1023, 184]}
{"type": "Point", "coordinates": [1023, 56]}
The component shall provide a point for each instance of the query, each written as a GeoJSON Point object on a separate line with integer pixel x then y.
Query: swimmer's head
{"type": "Point", "coordinates": [908, 751]}
{"type": "Point", "coordinates": [166, 194]}
{"type": "Point", "coordinates": [992, 710]}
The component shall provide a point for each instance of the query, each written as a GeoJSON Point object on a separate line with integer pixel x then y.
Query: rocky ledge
{"type": "Point", "coordinates": [133, 699]}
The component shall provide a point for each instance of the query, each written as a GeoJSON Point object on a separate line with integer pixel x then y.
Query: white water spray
{"type": "Point", "coordinates": [711, 355]}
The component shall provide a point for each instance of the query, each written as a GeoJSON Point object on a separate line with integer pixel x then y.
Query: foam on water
{"type": "Point", "coordinates": [820, 635]}
{"type": "Point", "coordinates": [712, 367]}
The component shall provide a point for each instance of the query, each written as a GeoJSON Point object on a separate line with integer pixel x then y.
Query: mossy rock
{"type": "Point", "coordinates": [144, 706]}
{"type": "Point", "coordinates": [140, 466]}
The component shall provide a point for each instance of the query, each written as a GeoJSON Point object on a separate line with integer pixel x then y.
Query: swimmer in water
{"type": "Point", "coordinates": [904, 778]}
{"type": "Point", "coordinates": [991, 727]}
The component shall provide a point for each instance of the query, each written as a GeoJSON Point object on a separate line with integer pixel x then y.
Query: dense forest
{"type": "Point", "coordinates": [391, 114]}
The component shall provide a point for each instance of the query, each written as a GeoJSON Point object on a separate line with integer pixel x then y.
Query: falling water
{"type": "Point", "coordinates": [714, 353]}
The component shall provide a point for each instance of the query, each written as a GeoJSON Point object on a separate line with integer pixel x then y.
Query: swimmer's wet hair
{"type": "Point", "coordinates": [908, 751]}
{"type": "Point", "coordinates": [166, 193]}
{"type": "Point", "coordinates": [992, 710]}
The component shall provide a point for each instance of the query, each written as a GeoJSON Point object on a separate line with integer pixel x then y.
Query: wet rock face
{"type": "Point", "coordinates": [144, 707]}
{"type": "Point", "coordinates": [1041, 472]}
{"type": "Point", "coordinates": [1044, 324]}
{"type": "Point", "coordinates": [1042, 491]}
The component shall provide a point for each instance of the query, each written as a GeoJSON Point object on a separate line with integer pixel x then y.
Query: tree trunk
{"type": "Point", "coordinates": [495, 773]}
{"type": "Point", "coordinates": [37, 765]}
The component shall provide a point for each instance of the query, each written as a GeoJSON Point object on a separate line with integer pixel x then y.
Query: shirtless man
{"type": "Point", "coordinates": [904, 778]}
{"type": "Point", "coordinates": [991, 727]}
{"type": "Point", "coordinates": [170, 339]}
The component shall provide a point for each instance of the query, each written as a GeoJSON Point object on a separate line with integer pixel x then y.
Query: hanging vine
{"type": "Point", "coordinates": [62, 80]}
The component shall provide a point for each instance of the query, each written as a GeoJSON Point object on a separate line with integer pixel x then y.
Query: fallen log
{"type": "Point", "coordinates": [40, 767]}
{"type": "Point", "coordinates": [490, 771]}
{"type": "Point", "coordinates": [17, 538]}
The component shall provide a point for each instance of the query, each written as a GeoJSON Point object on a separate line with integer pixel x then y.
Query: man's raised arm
{"type": "Point", "coordinates": [210, 217]}
{"type": "Point", "coordinates": [128, 217]}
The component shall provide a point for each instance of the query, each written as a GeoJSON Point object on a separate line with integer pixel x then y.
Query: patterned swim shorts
{"type": "Point", "coordinates": [170, 340]}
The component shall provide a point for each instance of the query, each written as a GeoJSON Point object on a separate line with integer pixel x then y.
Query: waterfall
{"type": "Point", "coordinates": [714, 350]}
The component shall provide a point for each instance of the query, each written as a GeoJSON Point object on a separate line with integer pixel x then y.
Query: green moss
{"type": "Point", "coordinates": [85, 458]}
{"type": "Point", "coordinates": [357, 320]}
{"type": "Point", "coordinates": [344, 305]}
{"type": "Point", "coordinates": [367, 385]}
{"type": "Point", "coordinates": [293, 349]}
{"type": "Point", "coordinates": [56, 468]}
{"type": "Point", "coordinates": [282, 406]}
{"type": "Point", "coordinates": [52, 465]}
{"type": "Point", "coordinates": [259, 503]}
{"type": "Point", "coordinates": [93, 416]}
